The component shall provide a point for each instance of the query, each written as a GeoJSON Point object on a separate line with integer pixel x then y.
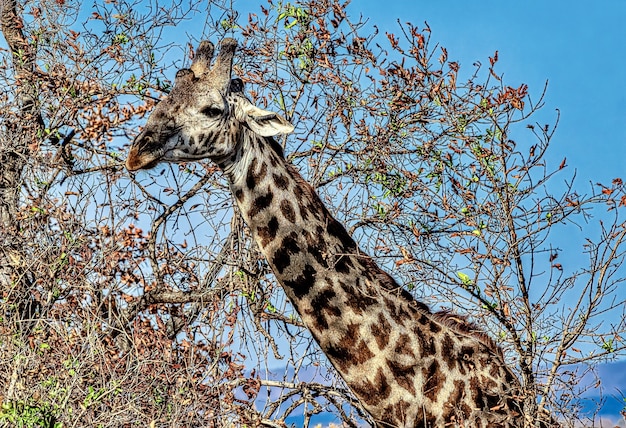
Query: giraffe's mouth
{"type": "Point", "coordinates": [146, 160]}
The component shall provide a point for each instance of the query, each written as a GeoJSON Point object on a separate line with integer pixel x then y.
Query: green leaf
{"type": "Point", "coordinates": [465, 279]}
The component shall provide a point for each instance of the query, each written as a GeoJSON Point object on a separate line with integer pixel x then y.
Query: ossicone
{"type": "Point", "coordinates": [220, 73]}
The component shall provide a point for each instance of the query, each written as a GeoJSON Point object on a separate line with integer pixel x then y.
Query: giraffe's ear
{"type": "Point", "coordinates": [264, 122]}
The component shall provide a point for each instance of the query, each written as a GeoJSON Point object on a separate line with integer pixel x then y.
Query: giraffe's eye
{"type": "Point", "coordinates": [212, 111]}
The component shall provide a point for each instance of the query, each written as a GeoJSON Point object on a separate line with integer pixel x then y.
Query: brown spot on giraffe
{"type": "Point", "coordinates": [251, 177]}
{"type": "Point", "coordinates": [380, 331]}
{"type": "Point", "coordinates": [426, 343]}
{"type": "Point", "coordinates": [268, 233]}
{"type": "Point", "coordinates": [260, 203]}
{"type": "Point", "coordinates": [287, 210]}
{"type": "Point", "coordinates": [322, 309]}
{"type": "Point", "coordinates": [403, 346]}
{"type": "Point", "coordinates": [299, 286]}
{"type": "Point", "coordinates": [375, 390]}
{"type": "Point", "coordinates": [281, 181]}
{"type": "Point", "coordinates": [282, 256]}
{"type": "Point", "coordinates": [447, 351]}
{"type": "Point", "coordinates": [433, 380]}
{"type": "Point", "coordinates": [404, 374]}
{"type": "Point", "coordinates": [359, 301]}
{"type": "Point", "coordinates": [352, 350]}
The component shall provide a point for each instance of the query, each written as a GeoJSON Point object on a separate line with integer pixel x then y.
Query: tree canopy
{"type": "Point", "coordinates": [141, 300]}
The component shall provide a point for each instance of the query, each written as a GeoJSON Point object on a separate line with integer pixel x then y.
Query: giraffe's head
{"type": "Point", "coordinates": [203, 114]}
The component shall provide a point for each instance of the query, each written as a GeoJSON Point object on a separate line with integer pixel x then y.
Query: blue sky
{"type": "Point", "coordinates": [578, 47]}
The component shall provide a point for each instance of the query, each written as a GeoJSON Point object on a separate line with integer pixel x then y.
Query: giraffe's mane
{"type": "Point", "coordinates": [462, 324]}
{"type": "Point", "coordinates": [459, 323]}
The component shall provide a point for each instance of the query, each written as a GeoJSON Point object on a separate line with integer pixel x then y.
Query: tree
{"type": "Point", "coordinates": [141, 299]}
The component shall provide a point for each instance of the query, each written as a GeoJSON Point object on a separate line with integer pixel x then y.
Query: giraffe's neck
{"type": "Point", "coordinates": [309, 251]}
{"type": "Point", "coordinates": [392, 352]}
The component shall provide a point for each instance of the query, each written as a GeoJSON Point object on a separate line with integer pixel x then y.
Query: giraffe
{"type": "Point", "coordinates": [408, 366]}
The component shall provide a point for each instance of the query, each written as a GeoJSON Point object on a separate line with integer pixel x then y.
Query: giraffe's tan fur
{"type": "Point", "coordinates": [407, 366]}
